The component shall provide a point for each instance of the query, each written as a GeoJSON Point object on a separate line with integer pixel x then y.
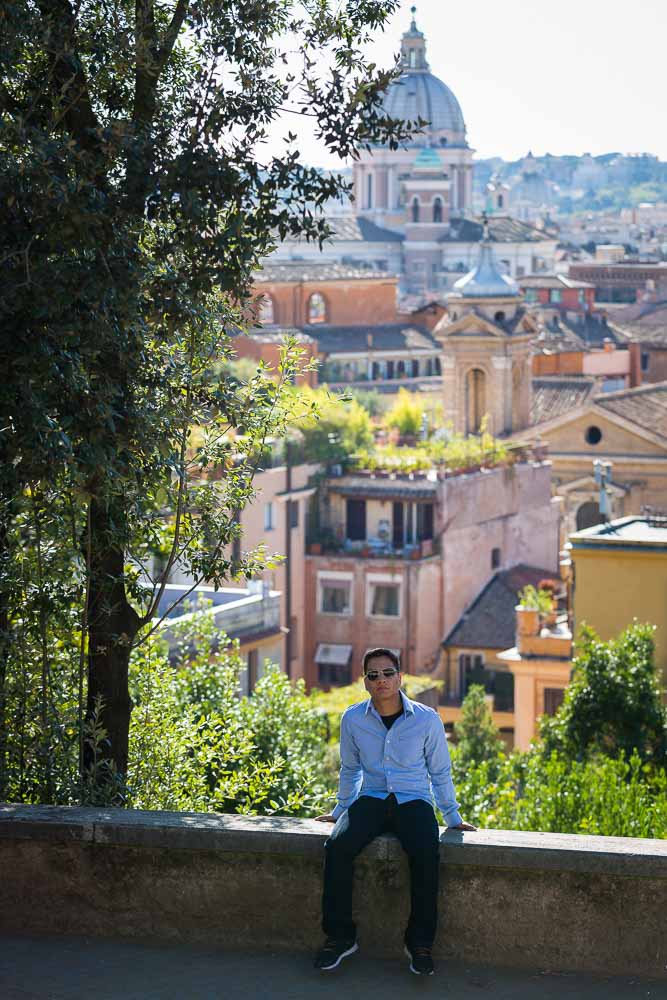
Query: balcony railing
{"type": "Point", "coordinates": [329, 543]}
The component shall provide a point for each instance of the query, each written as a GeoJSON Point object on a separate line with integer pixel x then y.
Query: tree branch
{"type": "Point", "coordinates": [69, 84]}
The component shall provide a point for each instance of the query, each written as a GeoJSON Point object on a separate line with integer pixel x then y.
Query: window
{"type": "Point", "coordinates": [437, 210]}
{"type": "Point", "coordinates": [424, 522]}
{"type": "Point", "coordinates": [555, 295]}
{"type": "Point", "coordinates": [333, 675]}
{"type": "Point", "coordinates": [369, 191]}
{"type": "Point", "coordinates": [645, 361]}
{"type": "Point", "coordinates": [520, 270]}
{"type": "Point", "coordinates": [385, 600]}
{"type": "Point", "coordinates": [588, 515]}
{"type": "Point", "coordinates": [495, 558]}
{"type": "Point", "coordinates": [415, 209]}
{"type": "Point", "coordinates": [593, 435]}
{"type": "Point", "coordinates": [475, 400]}
{"type": "Point", "coordinates": [414, 369]}
{"type": "Point", "coordinates": [293, 513]}
{"type": "Point", "coordinates": [269, 523]}
{"type": "Point", "coordinates": [317, 308]}
{"type": "Point", "coordinates": [334, 594]}
{"type": "Point", "coordinates": [356, 520]}
{"type": "Point", "coordinates": [266, 310]}
{"type": "Point", "coordinates": [531, 295]}
{"type": "Point", "coordinates": [471, 671]}
{"type": "Point", "coordinates": [499, 316]}
{"type": "Point", "coordinates": [438, 367]}
{"type": "Point", "coordinates": [553, 699]}
{"type": "Point", "coordinates": [501, 201]}
{"type": "Point", "coordinates": [582, 297]}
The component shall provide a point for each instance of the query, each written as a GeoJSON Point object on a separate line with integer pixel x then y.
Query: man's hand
{"type": "Point", "coordinates": [325, 819]}
{"type": "Point", "coordinates": [463, 826]}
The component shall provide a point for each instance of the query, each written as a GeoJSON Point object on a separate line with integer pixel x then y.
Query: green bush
{"type": "Point", "coordinates": [406, 414]}
{"type": "Point", "coordinates": [613, 704]}
{"type": "Point", "coordinates": [196, 744]}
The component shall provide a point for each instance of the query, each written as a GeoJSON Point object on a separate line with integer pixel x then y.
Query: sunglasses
{"type": "Point", "coordinates": [373, 675]}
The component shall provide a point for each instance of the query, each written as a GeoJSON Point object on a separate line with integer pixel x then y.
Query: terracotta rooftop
{"type": "Point", "coordinates": [489, 621]}
{"type": "Point", "coordinates": [554, 396]}
{"type": "Point", "coordinates": [384, 337]}
{"type": "Point", "coordinates": [645, 406]}
{"type": "Point", "coordinates": [307, 270]}
{"type": "Point", "coordinates": [645, 322]}
{"type": "Point", "coordinates": [502, 229]}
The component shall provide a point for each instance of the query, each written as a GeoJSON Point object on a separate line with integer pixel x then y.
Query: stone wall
{"type": "Point", "coordinates": [544, 901]}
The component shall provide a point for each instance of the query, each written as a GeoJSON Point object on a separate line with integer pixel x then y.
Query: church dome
{"type": "Point", "coordinates": [485, 281]}
{"type": "Point", "coordinates": [417, 93]}
{"type": "Point", "coordinates": [421, 95]}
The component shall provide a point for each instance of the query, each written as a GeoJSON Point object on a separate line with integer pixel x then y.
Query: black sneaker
{"type": "Point", "coordinates": [333, 952]}
{"type": "Point", "coordinates": [421, 962]}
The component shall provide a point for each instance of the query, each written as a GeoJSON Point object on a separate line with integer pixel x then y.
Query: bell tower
{"type": "Point", "coordinates": [486, 350]}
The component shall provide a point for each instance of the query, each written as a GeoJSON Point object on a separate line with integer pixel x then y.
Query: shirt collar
{"type": "Point", "coordinates": [408, 707]}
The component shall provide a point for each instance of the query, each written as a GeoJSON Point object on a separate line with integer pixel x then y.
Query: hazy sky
{"type": "Point", "coordinates": [558, 76]}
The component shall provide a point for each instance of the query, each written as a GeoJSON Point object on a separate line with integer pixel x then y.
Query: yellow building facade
{"type": "Point", "coordinates": [619, 575]}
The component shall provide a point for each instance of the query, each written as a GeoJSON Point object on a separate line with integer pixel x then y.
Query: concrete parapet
{"type": "Point", "coordinates": [540, 900]}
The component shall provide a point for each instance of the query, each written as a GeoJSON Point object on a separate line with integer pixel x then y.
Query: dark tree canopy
{"type": "Point", "coordinates": [136, 199]}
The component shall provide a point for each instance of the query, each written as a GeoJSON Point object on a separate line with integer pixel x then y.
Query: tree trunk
{"type": "Point", "coordinates": [113, 624]}
{"type": "Point", "coordinates": [4, 645]}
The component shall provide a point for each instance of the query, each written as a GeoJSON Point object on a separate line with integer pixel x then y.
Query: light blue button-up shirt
{"type": "Point", "coordinates": [411, 759]}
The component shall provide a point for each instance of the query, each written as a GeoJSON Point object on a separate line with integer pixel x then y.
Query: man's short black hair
{"type": "Point", "coordinates": [374, 654]}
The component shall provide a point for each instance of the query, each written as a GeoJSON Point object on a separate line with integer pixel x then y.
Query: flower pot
{"type": "Point", "coordinates": [527, 621]}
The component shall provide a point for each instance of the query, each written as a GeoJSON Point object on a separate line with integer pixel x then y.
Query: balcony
{"type": "Point", "coordinates": [245, 615]}
{"type": "Point", "coordinates": [333, 543]}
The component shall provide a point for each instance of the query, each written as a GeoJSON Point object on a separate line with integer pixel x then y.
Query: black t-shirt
{"type": "Point", "coordinates": [389, 720]}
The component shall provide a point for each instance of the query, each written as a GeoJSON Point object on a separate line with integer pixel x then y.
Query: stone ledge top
{"type": "Point", "coordinates": [284, 835]}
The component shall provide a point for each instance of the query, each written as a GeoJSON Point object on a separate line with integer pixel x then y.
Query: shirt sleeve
{"type": "Point", "coordinates": [439, 766]}
{"type": "Point", "coordinates": [351, 775]}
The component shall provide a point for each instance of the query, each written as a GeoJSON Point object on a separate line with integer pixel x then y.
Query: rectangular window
{"type": "Point", "coordinates": [385, 599]}
{"type": "Point", "coordinates": [645, 361]}
{"type": "Point", "coordinates": [531, 295]}
{"type": "Point", "coordinates": [495, 558]}
{"type": "Point", "coordinates": [356, 520]}
{"type": "Point", "coordinates": [293, 513]}
{"type": "Point", "coordinates": [390, 369]}
{"type": "Point", "coordinates": [397, 525]}
{"type": "Point", "coordinates": [555, 295]}
{"type": "Point", "coordinates": [424, 521]}
{"type": "Point", "coordinates": [414, 369]}
{"type": "Point", "coordinates": [268, 517]}
{"type": "Point", "coordinates": [553, 699]}
{"type": "Point", "coordinates": [333, 675]}
{"type": "Point", "coordinates": [335, 596]}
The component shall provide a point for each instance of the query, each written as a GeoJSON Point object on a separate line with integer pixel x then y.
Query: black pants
{"type": "Point", "coordinates": [415, 825]}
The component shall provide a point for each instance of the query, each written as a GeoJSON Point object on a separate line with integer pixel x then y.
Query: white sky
{"type": "Point", "coordinates": [557, 76]}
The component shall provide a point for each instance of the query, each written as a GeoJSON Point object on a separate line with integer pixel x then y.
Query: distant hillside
{"type": "Point", "coordinates": [591, 183]}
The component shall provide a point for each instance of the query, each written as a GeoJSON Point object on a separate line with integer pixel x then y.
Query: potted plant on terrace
{"type": "Point", "coordinates": [533, 608]}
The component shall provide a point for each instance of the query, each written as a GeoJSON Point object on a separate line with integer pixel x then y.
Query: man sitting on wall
{"type": "Point", "coordinates": [394, 761]}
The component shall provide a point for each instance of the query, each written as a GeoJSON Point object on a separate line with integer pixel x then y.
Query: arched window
{"type": "Point", "coordinates": [501, 201]}
{"type": "Point", "coordinates": [475, 400]}
{"type": "Point", "coordinates": [415, 209]}
{"type": "Point", "coordinates": [499, 316]}
{"type": "Point", "coordinates": [588, 515]}
{"type": "Point", "coordinates": [266, 310]}
{"type": "Point", "coordinates": [437, 210]}
{"type": "Point", "coordinates": [317, 308]}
